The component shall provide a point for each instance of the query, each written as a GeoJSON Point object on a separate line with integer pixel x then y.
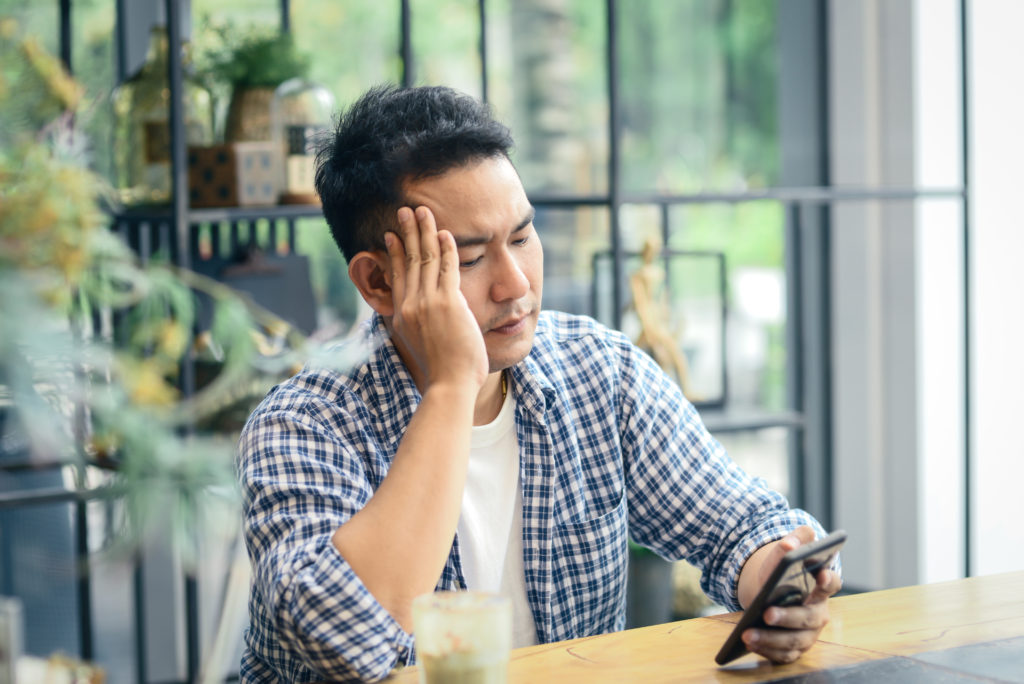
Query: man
{"type": "Point", "coordinates": [484, 443]}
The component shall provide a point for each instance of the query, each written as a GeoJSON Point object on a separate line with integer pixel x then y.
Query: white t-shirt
{"type": "Point", "coordinates": [491, 523]}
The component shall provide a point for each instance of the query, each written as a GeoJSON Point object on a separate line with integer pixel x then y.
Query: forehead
{"type": "Point", "coordinates": [481, 195]}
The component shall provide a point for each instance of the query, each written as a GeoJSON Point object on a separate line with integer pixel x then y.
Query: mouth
{"type": "Point", "coordinates": [512, 326]}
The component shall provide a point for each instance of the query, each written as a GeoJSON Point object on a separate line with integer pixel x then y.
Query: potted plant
{"type": "Point", "coordinates": [250, 67]}
{"type": "Point", "coordinates": [92, 341]}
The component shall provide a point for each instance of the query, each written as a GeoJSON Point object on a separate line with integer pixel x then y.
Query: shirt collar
{"type": "Point", "coordinates": [534, 391]}
{"type": "Point", "coordinates": [393, 385]}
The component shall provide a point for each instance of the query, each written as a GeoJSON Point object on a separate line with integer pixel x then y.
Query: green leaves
{"type": "Point", "coordinates": [258, 59]}
{"type": "Point", "coordinates": [93, 342]}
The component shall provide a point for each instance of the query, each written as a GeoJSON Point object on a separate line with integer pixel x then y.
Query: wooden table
{"type": "Point", "coordinates": [899, 624]}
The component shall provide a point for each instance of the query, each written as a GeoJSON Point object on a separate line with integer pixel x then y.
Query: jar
{"type": "Point", "coordinates": [142, 140]}
{"type": "Point", "coordinates": [300, 115]}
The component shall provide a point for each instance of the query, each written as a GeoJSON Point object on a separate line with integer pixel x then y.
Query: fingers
{"type": "Point", "coordinates": [791, 541]}
{"type": "Point", "coordinates": [430, 249]}
{"type": "Point", "coordinates": [396, 257]}
{"type": "Point", "coordinates": [803, 534]}
{"type": "Point", "coordinates": [449, 278]}
{"type": "Point", "coordinates": [810, 616]}
{"type": "Point", "coordinates": [418, 268]}
{"type": "Point", "coordinates": [410, 229]}
{"type": "Point", "coordinates": [779, 645]}
{"type": "Point", "coordinates": [790, 631]}
{"type": "Point", "coordinates": [828, 583]}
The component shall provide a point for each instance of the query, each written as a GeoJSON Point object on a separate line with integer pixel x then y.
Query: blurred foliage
{"type": "Point", "coordinates": [699, 90]}
{"type": "Point", "coordinates": [254, 57]}
{"type": "Point", "coordinates": [92, 343]}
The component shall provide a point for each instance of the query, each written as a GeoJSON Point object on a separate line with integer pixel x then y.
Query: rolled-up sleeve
{"type": "Point", "coordinates": [687, 498]}
{"type": "Point", "coordinates": [311, 616]}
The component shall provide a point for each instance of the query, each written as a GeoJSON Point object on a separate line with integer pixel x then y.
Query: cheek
{"type": "Point", "coordinates": [535, 267]}
{"type": "Point", "coordinates": [475, 291]}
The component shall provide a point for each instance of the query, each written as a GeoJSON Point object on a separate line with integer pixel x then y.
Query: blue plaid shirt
{"type": "Point", "coordinates": [608, 443]}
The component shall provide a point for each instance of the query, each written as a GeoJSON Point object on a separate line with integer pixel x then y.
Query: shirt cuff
{"type": "Point", "coordinates": [770, 530]}
{"type": "Point", "coordinates": [331, 619]}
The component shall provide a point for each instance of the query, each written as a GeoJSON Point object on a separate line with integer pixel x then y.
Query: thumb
{"type": "Point", "coordinates": [801, 535]}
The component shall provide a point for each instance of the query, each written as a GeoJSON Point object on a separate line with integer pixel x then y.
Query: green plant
{"type": "Point", "coordinates": [254, 59]}
{"type": "Point", "coordinates": [92, 342]}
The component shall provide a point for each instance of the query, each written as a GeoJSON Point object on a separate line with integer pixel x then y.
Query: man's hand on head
{"type": "Point", "coordinates": [790, 631]}
{"type": "Point", "coordinates": [432, 319]}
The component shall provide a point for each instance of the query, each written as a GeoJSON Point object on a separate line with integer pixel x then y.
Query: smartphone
{"type": "Point", "coordinates": [789, 585]}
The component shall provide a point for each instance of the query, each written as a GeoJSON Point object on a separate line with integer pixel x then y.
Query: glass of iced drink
{"type": "Point", "coordinates": [462, 637]}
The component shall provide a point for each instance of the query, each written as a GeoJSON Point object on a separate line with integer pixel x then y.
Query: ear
{"type": "Point", "coordinates": [371, 274]}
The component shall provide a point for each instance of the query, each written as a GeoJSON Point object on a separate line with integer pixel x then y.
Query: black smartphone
{"type": "Point", "coordinates": [789, 584]}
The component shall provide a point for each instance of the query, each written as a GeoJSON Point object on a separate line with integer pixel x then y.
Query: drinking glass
{"type": "Point", "coordinates": [462, 637]}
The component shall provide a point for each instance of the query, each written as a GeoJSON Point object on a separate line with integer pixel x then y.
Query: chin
{"type": "Point", "coordinates": [511, 352]}
{"type": "Point", "coordinates": [508, 358]}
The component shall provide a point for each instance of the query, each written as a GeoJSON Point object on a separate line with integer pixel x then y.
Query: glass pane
{"type": "Point", "coordinates": [113, 595]}
{"type": "Point", "coordinates": [762, 453]}
{"type": "Point", "coordinates": [354, 45]}
{"type": "Point", "coordinates": [93, 59]}
{"type": "Point", "coordinates": [453, 60]}
{"type": "Point", "coordinates": [39, 19]}
{"type": "Point", "coordinates": [674, 304]}
{"type": "Point", "coordinates": [571, 237]}
{"type": "Point", "coordinates": [546, 76]}
{"type": "Point", "coordinates": [37, 564]}
{"type": "Point", "coordinates": [750, 239]}
{"type": "Point", "coordinates": [338, 303]}
{"type": "Point", "coordinates": [698, 95]}
{"type": "Point", "coordinates": [939, 91]}
{"type": "Point", "coordinates": [241, 14]}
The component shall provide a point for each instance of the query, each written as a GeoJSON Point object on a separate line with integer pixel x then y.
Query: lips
{"type": "Point", "coordinates": [511, 326]}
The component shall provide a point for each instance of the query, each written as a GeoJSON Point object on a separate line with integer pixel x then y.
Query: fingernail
{"type": "Point", "coordinates": [388, 239]}
{"type": "Point", "coordinates": [771, 616]}
{"type": "Point", "coordinates": [753, 638]}
{"type": "Point", "coordinates": [403, 214]}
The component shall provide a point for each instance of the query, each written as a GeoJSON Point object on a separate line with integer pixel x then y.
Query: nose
{"type": "Point", "coordinates": [510, 282]}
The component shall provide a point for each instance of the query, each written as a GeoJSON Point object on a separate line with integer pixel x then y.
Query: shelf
{"type": "Point", "coordinates": [56, 495]}
{"type": "Point", "coordinates": [220, 214]}
{"type": "Point", "coordinates": [280, 211]}
{"type": "Point", "coordinates": [720, 421]}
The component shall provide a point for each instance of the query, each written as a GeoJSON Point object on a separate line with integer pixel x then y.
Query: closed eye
{"type": "Point", "coordinates": [526, 232]}
{"type": "Point", "coordinates": [470, 263]}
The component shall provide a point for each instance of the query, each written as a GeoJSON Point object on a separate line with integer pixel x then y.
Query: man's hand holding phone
{"type": "Point", "coordinates": [793, 580]}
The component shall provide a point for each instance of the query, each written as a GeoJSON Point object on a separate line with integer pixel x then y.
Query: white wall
{"type": "Point", "coordinates": [899, 408]}
{"type": "Point", "coordinates": [938, 125]}
{"type": "Point", "coordinates": [859, 463]}
{"type": "Point", "coordinates": [896, 292]}
{"type": "Point", "coordinates": [997, 297]}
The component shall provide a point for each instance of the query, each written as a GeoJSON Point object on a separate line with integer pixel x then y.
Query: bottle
{"type": "Point", "coordinates": [142, 137]}
{"type": "Point", "coordinates": [300, 113]}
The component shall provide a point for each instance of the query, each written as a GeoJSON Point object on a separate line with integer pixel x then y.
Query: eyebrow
{"type": "Point", "coordinates": [527, 219]}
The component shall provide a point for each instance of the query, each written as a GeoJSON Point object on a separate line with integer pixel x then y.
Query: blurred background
{"type": "Point", "coordinates": [824, 187]}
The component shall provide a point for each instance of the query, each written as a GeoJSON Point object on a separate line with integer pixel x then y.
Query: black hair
{"type": "Point", "coordinates": [389, 136]}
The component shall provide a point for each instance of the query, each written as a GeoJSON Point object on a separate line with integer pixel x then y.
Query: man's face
{"type": "Point", "coordinates": [501, 263]}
